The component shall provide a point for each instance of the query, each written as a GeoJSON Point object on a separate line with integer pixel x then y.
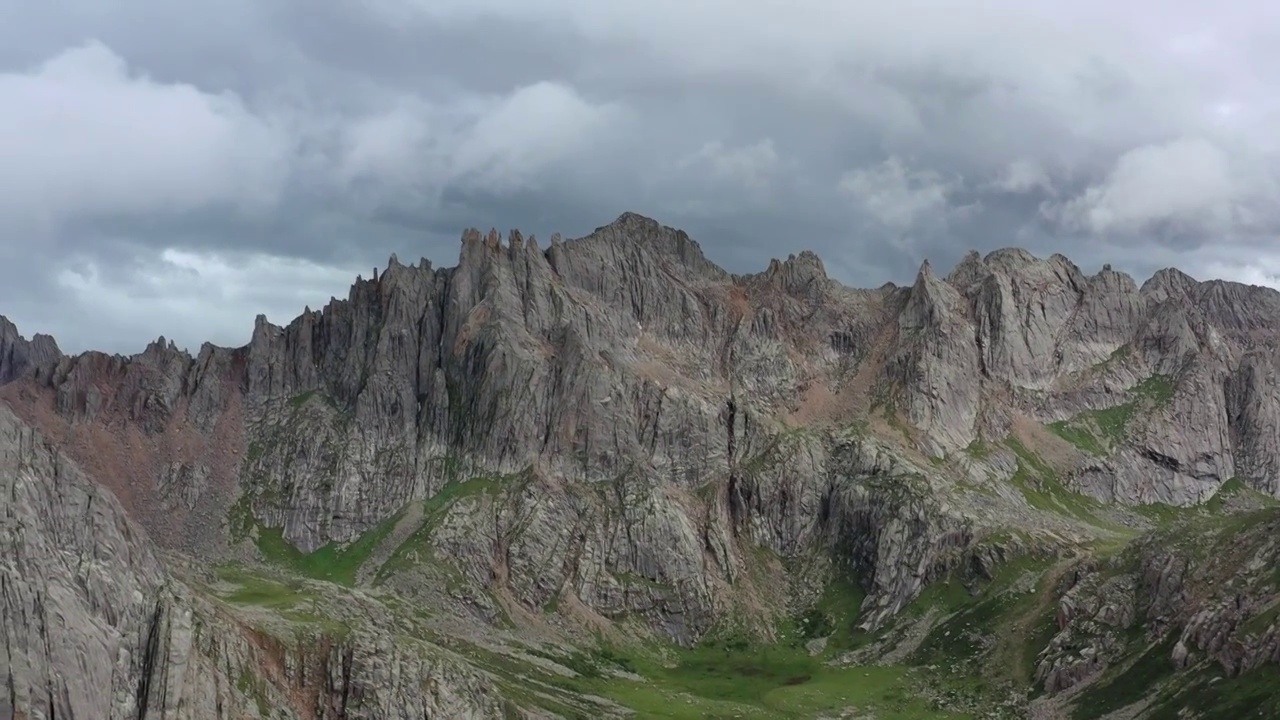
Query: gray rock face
{"type": "Point", "coordinates": [17, 354]}
{"type": "Point", "coordinates": [614, 425]}
{"type": "Point", "coordinates": [92, 625]}
{"type": "Point", "coordinates": [79, 591]}
{"type": "Point", "coordinates": [1252, 404]}
{"type": "Point", "coordinates": [625, 347]}
{"type": "Point", "coordinates": [937, 365]}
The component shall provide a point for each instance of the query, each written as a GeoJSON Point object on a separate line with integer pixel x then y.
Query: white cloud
{"type": "Point", "coordinates": [1023, 176]}
{"type": "Point", "coordinates": [1258, 266]}
{"type": "Point", "coordinates": [1187, 182]}
{"type": "Point", "coordinates": [899, 197]}
{"type": "Point", "coordinates": [1264, 272]}
{"type": "Point", "coordinates": [344, 131]}
{"type": "Point", "coordinates": [496, 143]}
{"type": "Point", "coordinates": [82, 136]}
{"type": "Point", "coordinates": [528, 131]}
{"type": "Point", "coordinates": [384, 146]}
{"type": "Point", "coordinates": [748, 167]}
{"type": "Point", "coordinates": [192, 296]}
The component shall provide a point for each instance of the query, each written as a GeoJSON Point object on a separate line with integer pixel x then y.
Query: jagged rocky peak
{"type": "Point", "coordinates": [265, 332]}
{"type": "Point", "coordinates": [478, 249]}
{"type": "Point", "coordinates": [925, 273]}
{"type": "Point", "coordinates": [263, 326]}
{"type": "Point", "coordinates": [8, 331]}
{"type": "Point", "coordinates": [518, 245]}
{"type": "Point", "coordinates": [1168, 283]}
{"type": "Point", "coordinates": [936, 364]}
{"type": "Point", "coordinates": [1022, 267]}
{"type": "Point", "coordinates": [1110, 279]}
{"type": "Point", "coordinates": [1018, 265]}
{"type": "Point", "coordinates": [969, 271]}
{"type": "Point", "coordinates": [663, 241]}
{"type": "Point", "coordinates": [802, 274]}
{"type": "Point", "coordinates": [475, 243]}
{"type": "Point", "coordinates": [17, 354]}
{"type": "Point", "coordinates": [1239, 308]}
{"type": "Point", "coordinates": [160, 346]}
{"type": "Point", "coordinates": [1037, 317]}
{"type": "Point", "coordinates": [932, 302]}
{"type": "Point", "coordinates": [1233, 307]}
{"type": "Point", "coordinates": [1010, 259]}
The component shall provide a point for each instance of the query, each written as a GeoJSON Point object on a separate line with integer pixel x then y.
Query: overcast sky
{"type": "Point", "coordinates": [176, 168]}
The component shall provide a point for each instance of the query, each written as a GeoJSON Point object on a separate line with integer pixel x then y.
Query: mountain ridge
{"type": "Point", "coordinates": [975, 299]}
{"type": "Point", "coordinates": [613, 433]}
{"type": "Point", "coordinates": [774, 265]}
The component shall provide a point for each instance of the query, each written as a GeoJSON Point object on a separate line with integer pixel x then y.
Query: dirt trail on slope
{"type": "Point", "coordinates": [1023, 626]}
{"type": "Point", "coordinates": [405, 527]}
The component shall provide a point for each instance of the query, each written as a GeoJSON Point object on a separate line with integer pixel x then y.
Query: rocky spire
{"type": "Point", "coordinates": [803, 275]}
{"type": "Point", "coordinates": [17, 354]}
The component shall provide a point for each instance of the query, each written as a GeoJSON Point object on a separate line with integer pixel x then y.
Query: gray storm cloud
{"type": "Point", "coordinates": [178, 170]}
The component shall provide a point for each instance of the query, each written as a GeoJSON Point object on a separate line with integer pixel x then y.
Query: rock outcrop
{"type": "Point", "coordinates": [1202, 593]}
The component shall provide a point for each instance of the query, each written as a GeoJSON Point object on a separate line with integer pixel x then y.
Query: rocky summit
{"type": "Point", "coordinates": [603, 477]}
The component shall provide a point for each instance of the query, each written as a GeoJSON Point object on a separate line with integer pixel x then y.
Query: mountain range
{"type": "Point", "coordinates": [608, 478]}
